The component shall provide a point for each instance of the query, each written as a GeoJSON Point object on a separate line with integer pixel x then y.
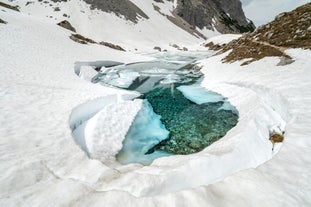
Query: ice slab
{"type": "Point", "coordinates": [199, 95]}
{"type": "Point", "coordinates": [146, 131]}
{"type": "Point", "coordinates": [104, 132]}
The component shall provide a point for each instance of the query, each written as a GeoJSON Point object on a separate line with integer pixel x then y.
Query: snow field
{"type": "Point", "coordinates": [41, 165]}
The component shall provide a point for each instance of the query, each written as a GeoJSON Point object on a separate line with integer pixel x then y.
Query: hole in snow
{"type": "Point", "coordinates": [177, 116]}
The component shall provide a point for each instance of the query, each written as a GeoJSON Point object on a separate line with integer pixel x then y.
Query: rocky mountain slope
{"type": "Point", "coordinates": [156, 22]}
{"type": "Point", "coordinates": [288, 30]}
{"type": "Point", "coordinates": [224, 16]}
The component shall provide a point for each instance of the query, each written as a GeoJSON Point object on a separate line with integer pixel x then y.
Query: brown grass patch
{"type": "Point", "coordinates": [81, 39]}
{"type": "Point", "coordinates": [288, 30]}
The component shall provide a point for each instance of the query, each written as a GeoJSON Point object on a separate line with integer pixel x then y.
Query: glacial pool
{"type": "Point", "coordinates": [178, 116]}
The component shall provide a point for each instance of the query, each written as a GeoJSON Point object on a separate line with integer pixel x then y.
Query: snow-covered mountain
{"type": "Point", "coordinates": [44, 97]}
{"type": "Point", "coordinates": [153, 23]}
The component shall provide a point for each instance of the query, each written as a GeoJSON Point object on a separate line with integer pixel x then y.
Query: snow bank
{"type": "Point", "coordinates": [223, 38]}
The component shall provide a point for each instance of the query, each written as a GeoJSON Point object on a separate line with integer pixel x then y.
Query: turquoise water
{"type": "Point", "coordinates": [177, 116]}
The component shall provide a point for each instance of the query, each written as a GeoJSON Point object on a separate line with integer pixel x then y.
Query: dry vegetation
{"type": "Point", "coordinates": [288, 30]}
{"type": "Point", "coordinates": [81, 39]}
{"type": "Point", "coordinates": [84, 40]}
{"type": "Point", "coordinates": [276, 138]}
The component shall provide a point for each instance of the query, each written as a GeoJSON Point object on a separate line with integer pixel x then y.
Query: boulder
{"type": "Point", "coordinates": [65, 24]}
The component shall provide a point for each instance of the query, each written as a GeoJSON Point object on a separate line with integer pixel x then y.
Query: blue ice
{"type": "Point", "coordinates": [146, 131]}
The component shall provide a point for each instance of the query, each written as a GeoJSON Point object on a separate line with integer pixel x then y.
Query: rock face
{"type": "Point", "coordinates": [226, 16]}
{"type": "Point", "coordinates": [123, 8]}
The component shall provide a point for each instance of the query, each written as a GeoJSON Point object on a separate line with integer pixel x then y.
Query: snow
{"type": "Point", "coordinates": [108, 27]}
{"type": "Point", "coordinates": [223, 39]}
{"type": "Point", "coordinates": [43, 100]}
{"type": "Point", "coordinates": [209, 33]}
{"type": "Point", "coordinates": [104, 132]}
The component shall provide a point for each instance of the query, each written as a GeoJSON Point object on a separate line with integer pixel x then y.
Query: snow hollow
{"type": "Point", "coordinates": [176, 115]}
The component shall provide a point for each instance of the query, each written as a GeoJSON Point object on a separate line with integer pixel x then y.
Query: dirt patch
{"type": "Point", "coordinates": [122, 8]}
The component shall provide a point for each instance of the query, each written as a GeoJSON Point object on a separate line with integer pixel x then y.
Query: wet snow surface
{"type": "Point", "coordinates": [178, 116]}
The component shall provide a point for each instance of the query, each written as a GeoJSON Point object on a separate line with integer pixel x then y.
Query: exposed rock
{"type": "Point", "coordinates": [2, 21]}
{"type": "Point", "coordinates": [157, 48]}
{"type": "Point", "coordinates": [15, 8]}
{"type": "Point", "coordinates": [29, 2]}
{"type": "Point", "coordinates": [81, 39]}
{"type": "Point", "coordinates": [285, 61]}
{"type": "Point", "coordinates": [185, 49]}
{"type": "Point", "coordinates": [175, 46]}
{"type": "Point", "coordinates": [56, 9]}
{"type": "Point", "coordinates": [113, 46]}
{"type": "Point", "coordinates": [65, 24]}
{"type": "Point", "coordinates": [288, 30]}
{"type": "Point", "coordinates": [123, 8]}
{"type": "Point", "coordinates": [226, 16]}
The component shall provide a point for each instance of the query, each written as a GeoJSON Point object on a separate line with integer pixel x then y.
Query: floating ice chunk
{"type": "Point", "coordinates": [146, 131]}
{"type": "Point", "coordinates": [140, 66]}
{"type": "Point", "coordinates": [121, 79]}
{"type": "Point", "coordinates": [157, 72]}
{"type": "Point", "coordinates": [199, 95]}
{"type": "Point", "coordinates": [87, 73]}
{"type": "Point", "coordinates": [171, 78]}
